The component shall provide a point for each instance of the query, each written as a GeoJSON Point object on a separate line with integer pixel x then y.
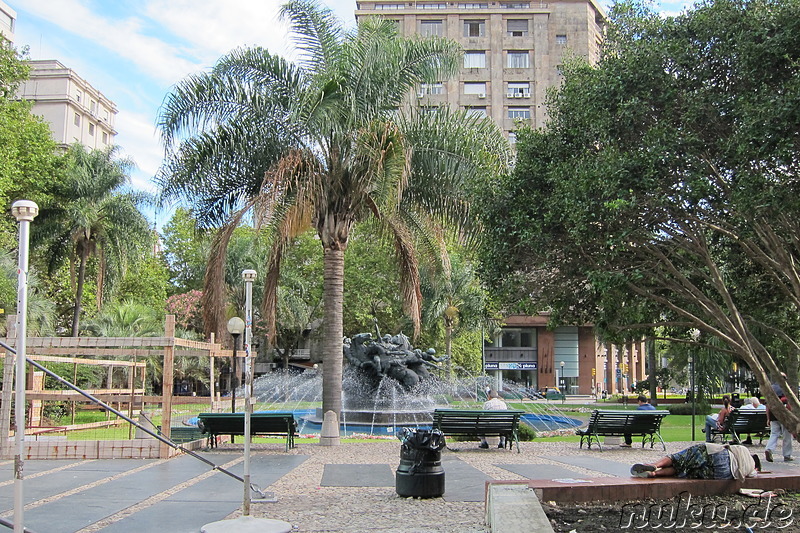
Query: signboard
{"type": "Point", "coordinates": [510, 365]}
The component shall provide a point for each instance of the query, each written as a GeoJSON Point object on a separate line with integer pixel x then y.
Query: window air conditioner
{"type": "Point", "coordinates": [482, 95]}
{"type": "Point", "coordinates": [519, 95]}
{"type": "Point", "coordinates": [420, 94]}
{"type": "Point", "coordinates": [511, 95]}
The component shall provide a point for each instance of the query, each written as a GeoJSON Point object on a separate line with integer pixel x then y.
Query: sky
{"type": "Point", "coordinates": [135, 51]}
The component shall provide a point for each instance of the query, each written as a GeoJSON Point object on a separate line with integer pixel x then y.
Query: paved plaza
{"type": "Point", "coordinates": [343, 488]}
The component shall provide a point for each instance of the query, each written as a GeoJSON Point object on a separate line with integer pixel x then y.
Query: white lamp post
{"type": "Point", "coordinates": [235, 328]}
{"type": "Point", "coordinates": [249, 277]}
{"type": "Point", "coordinates": [24, 211]}
{"type": "Point", "coordinates": [247, 523]}
{"type": "Point", "coordinates": [562, 386]}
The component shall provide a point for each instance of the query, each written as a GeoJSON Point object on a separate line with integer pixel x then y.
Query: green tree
{"type": "Point", "coordinates": [29, 160]}
{"type": "Point", "coordinates": [186, 249]}
{"type": "Point", "coordinates": [145, 282]}
{"type": "Point", "coordinates": [453, 299]}
{"type": "Point", "coordinates": [672, 200]}
{"type": "Point", "coordinates": [94, 217]}
{"type": "Point", "coordinates": [326, 142]}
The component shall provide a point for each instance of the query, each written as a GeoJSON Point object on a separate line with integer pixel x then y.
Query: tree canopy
{"type": "Point", "coordinates": [664, 192]}
{"type": "Point", "coordinates": [327, 142]}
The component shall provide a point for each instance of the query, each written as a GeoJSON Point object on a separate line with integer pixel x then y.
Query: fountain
{"type": "Point", "coordinates": [380, 394]}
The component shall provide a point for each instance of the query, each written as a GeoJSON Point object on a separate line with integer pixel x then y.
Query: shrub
{"type": "Point", "coordinates": [702, 408]}
{"type": "Point", "coordinates": [526, 433]}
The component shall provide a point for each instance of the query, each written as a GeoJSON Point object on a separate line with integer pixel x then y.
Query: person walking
{"type": "Point", "coordinates": [644, 405]}
{"type": "Point", "coordinates": [494, 403]}
{"type": "Point", "coordinates": [776, 431]}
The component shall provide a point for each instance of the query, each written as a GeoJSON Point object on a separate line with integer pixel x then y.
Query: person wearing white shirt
{"type": "Point", "coordinates": [494, 403]}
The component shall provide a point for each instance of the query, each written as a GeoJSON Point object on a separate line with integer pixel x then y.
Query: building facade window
{"type": "Point", "coordinates": [517, 27]}
{"type": "Point", "coordinates": [474, 28]}
{"type": "Point", "coordinates": [515, 113]}
{"type": "Point", "coordinates": [93, 107]}
{"type": "Point", "coordinates": [478, 88]}
{"type": "Point", "coordinates": [431, 88]}
{"type": "Point", "coordinates": [389, 6]}
{"type": "Point", "coordinates": [78, 96]}
{"type": "Point", "coordinates": [475, 59]}
{"type": "Point", "coordinates": [431, 28]}
{"type": "Point", "coordinates": [77, 119]}
{"type": "Point", "coordinates": [517, 5]}
{"type": "Point", "coordinates": [561, 39]}
{"type": "Point", "coordinates": [473, 5]}
{"type": "Point", "coordinates": [105, 138]}
{"type": "Point", "coordinates": [518, 59]}
{"type": "Point", "coordinates": [91, 129]}
{"type": "Point", "coordinates": [476, 111]}
{"type": "Point", "coordinates": [433, 5]}
{"type": "Point", "coordinates": [518, 89]}
{"type": "Point", "coordinates": [512, 137]}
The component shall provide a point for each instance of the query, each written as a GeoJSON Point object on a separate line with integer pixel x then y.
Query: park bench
{"type": "Point", "coordinates": [645, 424]}
{"type": "Point", "coordinates": [264, 424]}
{"type": "Point", "coordinates": [479, 423]}
{"type": "Point", "coordinates": [743, 422]}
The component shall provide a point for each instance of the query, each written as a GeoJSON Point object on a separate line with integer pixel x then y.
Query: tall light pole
{"type": "Point", "coordinates": [235, 328]}
{"type": "Point", "coordinates": [562, 388]}
{"type": "Point", "coordinates": [694, 396]}
{"type": "Point", "coordinates": [24, 211]}
{"type": "Point", "coordinates": [249, 277]}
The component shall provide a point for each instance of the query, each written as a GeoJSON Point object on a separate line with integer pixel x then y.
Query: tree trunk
{"type": "Point", "coordinates": [76, 317]}
{"type": "Point", "coordinates": [333, 330]}
{"type": "Point", "coordinates": [650, 346]}
{"type": "Point", "coordinates": [448, 347]}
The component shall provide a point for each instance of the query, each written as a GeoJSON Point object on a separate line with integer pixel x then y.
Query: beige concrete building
{"type": "Point", "coordinates": [8, 20]}
{"type": "Point", "coordinates": [512, 53]}
{"type": "Point", "coordinates": [512, 50]}
{"type": "Point", "coordinates": [76, 111]}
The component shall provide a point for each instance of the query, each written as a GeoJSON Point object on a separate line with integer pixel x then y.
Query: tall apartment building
{"type": "Point", "coordinates": [8, 20]}
{"type": "Point", "coordinates": [76, 111]}
{"type": "Point", "coordinates": [512, 53]}
{"type": "Point", "coordinates": [512, 50]}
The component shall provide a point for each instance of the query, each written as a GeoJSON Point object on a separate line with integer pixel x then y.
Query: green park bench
{"type": "Point", "coordinates": [645, 424]}
{"type": "Point", "coordinates": [261, 424]}
{"type": "Point", "coordinates": [479, 423]}
{"type": "Point", "coordinates": [743, 422]}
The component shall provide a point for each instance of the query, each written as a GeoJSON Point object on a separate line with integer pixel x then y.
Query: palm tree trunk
{"type": "Point", "coordinates": [448, 347]}
{"type": "Point", "coordinates": [76, 317]}
{"type": "Point", "coordinates": [332, 355]}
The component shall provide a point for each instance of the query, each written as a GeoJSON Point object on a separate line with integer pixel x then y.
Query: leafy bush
{"type": "Point", "coordinates": [702, 408]}
{"type": "Point", "coordinates": [526, 433]}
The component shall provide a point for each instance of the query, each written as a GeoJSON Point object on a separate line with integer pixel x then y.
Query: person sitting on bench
{"type": "Point", "coordinates": [644, 405]}
{"type": "Point", "coordinates": [703, 461]}
{"type": "Point", "coordinates": [494, 403]}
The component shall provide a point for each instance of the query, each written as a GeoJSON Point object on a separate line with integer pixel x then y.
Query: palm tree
{"type": "Point", "coordinates": [453, 297]}
{"type": "Point", "coordinates": [94, 217]}
{"type": "Point", "coordinates": [328, 142]}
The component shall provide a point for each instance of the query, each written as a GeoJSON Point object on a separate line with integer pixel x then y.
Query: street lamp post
{"type": "Point", "coordinates": [24, 211]}
{"type": "Point", "coordinates": [563, 397]}
{"type": "Point", "coordinates": [235, 328]}
{"type": "Point", "coordinates": [249, 277]}
{"type": "Point", "coordinates": [694, 396]}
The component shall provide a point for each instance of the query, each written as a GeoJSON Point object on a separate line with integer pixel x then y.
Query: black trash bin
{"type": "Point", "coordinates": [420, 473]}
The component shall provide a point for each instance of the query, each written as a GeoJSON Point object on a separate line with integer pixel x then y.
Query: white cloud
{"type": "Point", "coordinates": [213, 28]}
{"type": "Point", "coordinates": [125, 37]}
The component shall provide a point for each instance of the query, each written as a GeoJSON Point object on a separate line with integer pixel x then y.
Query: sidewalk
{"type": "Point", "coordinates": [345, 488]}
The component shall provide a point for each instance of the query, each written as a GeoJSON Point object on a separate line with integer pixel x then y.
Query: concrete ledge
{"type": "Point", "coordinates": [628, 489]}
{"type": "Point", "coordinates": [514, 508]}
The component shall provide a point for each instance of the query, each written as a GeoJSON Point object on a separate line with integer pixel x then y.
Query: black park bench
{"type": "Point", "coordinates": [479, 423]}
{"type": "Point", "coordinates": [743, 422]}
{"type": "Point", "coordinates": [263, 424]}
{"type": "Point", "coordinates": [645, 424]}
